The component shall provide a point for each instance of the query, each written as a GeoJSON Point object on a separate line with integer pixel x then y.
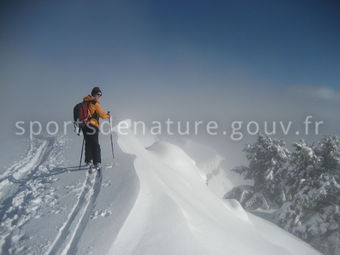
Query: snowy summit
{"type": "Point", "coordinates": [153, 200]}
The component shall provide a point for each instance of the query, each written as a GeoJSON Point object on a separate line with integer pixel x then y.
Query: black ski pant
{"type": "Point", "coordinates": [92, 147]}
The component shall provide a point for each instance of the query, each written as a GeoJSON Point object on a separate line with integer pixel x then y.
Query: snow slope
{"type": "Point", "coordinates": [214, 168]}
{"type": "Point", "coordinates": [152, 200]}
{"type": "Point", "coordinates": [176, 213]}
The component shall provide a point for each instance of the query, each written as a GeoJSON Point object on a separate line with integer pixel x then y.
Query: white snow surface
{"type": "Point", "coordinates": [152, 199]}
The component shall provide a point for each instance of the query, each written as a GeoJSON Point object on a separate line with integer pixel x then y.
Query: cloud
{"type": "Point", "coordinates": [324, 93]}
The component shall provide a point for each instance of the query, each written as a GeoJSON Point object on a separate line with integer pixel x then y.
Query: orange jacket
{"type": "Point", "coordinates": [96, 111]}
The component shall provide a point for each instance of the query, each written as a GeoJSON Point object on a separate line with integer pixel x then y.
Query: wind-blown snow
{"type": "Point", "coordinates": [176, 213]}
{"type": "Point", "coordinates": [152, 200]}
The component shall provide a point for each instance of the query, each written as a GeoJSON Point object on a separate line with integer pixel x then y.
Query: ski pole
{"type": "Point", "coordinates": [113, 155]}
{"type": "Point", "coordinates": [81, 155]}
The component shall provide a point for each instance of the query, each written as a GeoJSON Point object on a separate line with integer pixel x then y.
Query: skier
{"type": "Point", "coordinates": [91, 129]}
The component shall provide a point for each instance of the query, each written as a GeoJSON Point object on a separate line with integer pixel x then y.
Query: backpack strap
{"type": "Point", "coordinates": [94, 115]}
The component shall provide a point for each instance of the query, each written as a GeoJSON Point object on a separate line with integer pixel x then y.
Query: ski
{"type": "Point", "coordinates": [94, 169]}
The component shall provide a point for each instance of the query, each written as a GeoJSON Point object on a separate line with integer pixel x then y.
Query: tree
{"type": "Point", "coordinates": [303, 187]}
{"type": "Point", "coordinates": [312, 212]}
{"type": "Point", "coordinates": [267, 167]}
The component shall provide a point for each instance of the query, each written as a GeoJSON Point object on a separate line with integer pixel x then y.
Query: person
{"type": "Point", "coordinates": [91, 129]}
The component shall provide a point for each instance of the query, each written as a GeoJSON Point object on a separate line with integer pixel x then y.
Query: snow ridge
{"type": "Point", "coordinates": [176, 213]}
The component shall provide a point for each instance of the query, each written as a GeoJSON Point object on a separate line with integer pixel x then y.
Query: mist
{"type": "Point", "coordinates": [212, 66]}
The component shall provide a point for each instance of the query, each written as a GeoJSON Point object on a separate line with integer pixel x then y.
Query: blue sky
{"type": "Point", "coordinates": [162, 51]}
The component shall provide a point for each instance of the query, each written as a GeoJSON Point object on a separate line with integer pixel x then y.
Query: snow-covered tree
{"type": "Point", "coordinates": [312, 212]}
{"type": "Point", "coordinates": [303, 168]}
{"type": "Point", "coordinates": [303, 186]}
{"type": "Point", "coordinates": [329, 153]}
{"type": "Point", "coordinates": [267, 167]}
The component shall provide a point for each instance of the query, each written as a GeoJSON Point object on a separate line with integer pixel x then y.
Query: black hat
{"type": "Point", "coordinates": [95, 91]}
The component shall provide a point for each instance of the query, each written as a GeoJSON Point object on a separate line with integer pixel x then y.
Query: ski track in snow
{"type": "Point", "coordinates": [24, 166]}
{"type": "Point", "coordinates": [26, 186]}
{"type": "Point", "coordinates": [78, 218]}
{"type": "Point", "coordinates": [22, 193]}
